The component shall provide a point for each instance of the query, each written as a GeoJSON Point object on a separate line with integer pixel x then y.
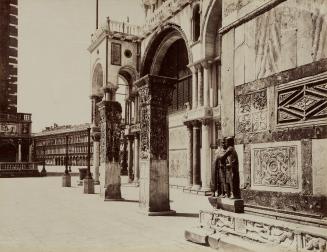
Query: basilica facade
{"type": "Point", "coordinates": [201, 70]}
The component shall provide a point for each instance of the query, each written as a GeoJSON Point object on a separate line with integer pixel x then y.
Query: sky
{"type": "Point", "coordinates": [53, 61]}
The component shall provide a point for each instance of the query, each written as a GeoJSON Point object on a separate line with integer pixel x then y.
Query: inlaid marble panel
{"type": "Point", "coordinates": [177, 138]}
{"type": "Point", "coordinates": [177, 163]}
{"type": "Point", "coordinates": [276, 166]}
{"type": "Point", "coordinates": [251, 112]}
{"type": "Point", "coordinates": [302, 103]}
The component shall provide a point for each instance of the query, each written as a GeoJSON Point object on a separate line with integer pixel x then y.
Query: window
{"type": "Point", "coordinates": [196, 23]}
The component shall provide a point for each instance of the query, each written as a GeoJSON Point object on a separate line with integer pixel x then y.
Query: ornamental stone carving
{"type": "Point", "coordinates": [110, 114]}
{"type": "Point", "coordinates": [276, 166]}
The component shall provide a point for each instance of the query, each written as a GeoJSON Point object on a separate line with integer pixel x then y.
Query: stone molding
{"type": "Point", "coordinates": [200, 113]}
{"type": "Point", "coordinates": [274, 234]}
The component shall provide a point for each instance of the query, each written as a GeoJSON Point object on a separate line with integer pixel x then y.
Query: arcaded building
{"type": "Point", "coordinates": [15, 128]}
{"type": "Point", "coordinates": [51, 144]}
{"type": "Point", "coordinates": [201, 70]}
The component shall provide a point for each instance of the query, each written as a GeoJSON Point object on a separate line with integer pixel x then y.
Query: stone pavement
{"type": "Point", "coordinates": [37, 214]}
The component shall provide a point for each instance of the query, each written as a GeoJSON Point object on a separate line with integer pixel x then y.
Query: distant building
{"type": "Point", "coordinates": [15, 128]}
{"type": "Point", "coordinates": [50, 144]}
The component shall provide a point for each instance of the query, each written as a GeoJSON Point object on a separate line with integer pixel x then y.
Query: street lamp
{"type": "Point", "coordinates": [66, 179]}
{"type": "Point", "coordinates": [88, 181]}
{"type": "Point", "coordinates": [43, 172]}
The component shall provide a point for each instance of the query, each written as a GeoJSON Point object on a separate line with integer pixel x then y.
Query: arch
{"type": "Point", "coordinates": [129, 73]}
{"type": "Point", "coordinates": [210, 26]}
{"type": "Point", "coordinates": [169, 31]}
{"type": "Point", "coordinates": [97, 79]}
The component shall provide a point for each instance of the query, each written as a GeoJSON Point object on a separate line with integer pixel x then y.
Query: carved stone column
{"type": "Point", "coordinates": [196, 156]}
{"type": "Point", "coordinates": [189, 160]}
{"type": "Point", "coordinates": [155, 94]}
{"type": "Point", "coordinates": [130, 158]}
{"type": "Point", "coordinates": [136, 158]}
{"type": "Point", "coordinates": [200, 86]}
{"type": "Point", "coordinates": [194, 88]}
{"type": "Point", "coordinates": [110, 114]}
{"type": "Point", "coordinates": [206, 74]}
{"type": "Point", "coordinates": [205, 156]}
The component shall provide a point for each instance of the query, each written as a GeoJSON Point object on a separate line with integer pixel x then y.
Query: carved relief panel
{"type": "Point", "coordinates": [302, 103]}
{"type": "Point", "coordinates": [251, 112]}
{"type": "Point", "coordinates": [276, 166]}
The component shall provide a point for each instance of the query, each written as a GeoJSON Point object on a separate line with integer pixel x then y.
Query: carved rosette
{"type": "Point", "coordinates": [155, 94]}
{"type": "Point", "coordinates": [110, 114]}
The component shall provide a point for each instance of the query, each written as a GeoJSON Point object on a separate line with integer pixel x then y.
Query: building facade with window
{"type": "Point", "coordinates": [201, 70]}
{"type": "Point", "coordinates": [50, 145]}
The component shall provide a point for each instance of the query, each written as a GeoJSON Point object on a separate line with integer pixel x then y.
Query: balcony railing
{"type": "Point", "coordinates": [22, 166]}
{"type": "Point", "coordinates": [113, 27]}
{"type": "Point", "coordinates": [165, 11]}
{"type": "Point", "coordinates": [18, 117]}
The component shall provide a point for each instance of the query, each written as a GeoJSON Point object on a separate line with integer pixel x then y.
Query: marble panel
{"type": "Point", "coordinates": [249, 54]}
{"type": "Point", "coordinates": [240, 153]}
{"type": "Point", "coordinates": [227, 88]}
{"type": "Point", "coordinates": [177, 138]}
{"type": "Point", "coordinates": [319, 168]}
{"type": "Point", "coordinates": [288, 29]}
{"type": "Point", "coordinates": [239, 65]}
{"type": "Point", "coordinates": [276, 166]}
{"type": "Point", "coordinates": [177, 163]}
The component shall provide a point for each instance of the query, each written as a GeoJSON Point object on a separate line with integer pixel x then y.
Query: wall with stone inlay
{"type": "Point", "coordinates": [274, 64]}
{"type": "Point", "coordinates": [177, 146]}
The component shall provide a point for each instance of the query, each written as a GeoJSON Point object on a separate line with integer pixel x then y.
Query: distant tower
{"type": "Point", "coordinates": [8, 56]}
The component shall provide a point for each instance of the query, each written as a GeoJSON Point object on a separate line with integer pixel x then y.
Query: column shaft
{"type": "Point", "coordinates": [19, 151]}
{"type": "Point", "coordinates": [196, 156]}
{"type": "Point", "coordinates": [205, 158]}
{"type": "Point", "coordinates": [96, 160]}
{"type": "Point", "coordinates": [189, 161]}
{"type": "Point", "coordinates": [194, 89]}
{"type": "Point", "coordinates": [200, 87]}
{"type": "Point", "coordinates": [206, 86]}
{"type": "Point", "coordinates": [130, 159]}
{"type": "Point", "coordinates": [136, 159]}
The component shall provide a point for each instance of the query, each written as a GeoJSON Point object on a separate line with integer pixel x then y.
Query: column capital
{"type": "Point", "coordinates": [206, 64]}
{"type": "Point", "coordinates": [95, 96]}
{"type": "Point", "coordinates": [206, 121]}
{"type": "Point", "coordinates": [196, 124]}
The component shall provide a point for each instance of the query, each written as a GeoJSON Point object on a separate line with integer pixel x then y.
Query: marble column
{"type": "Point", "coordinates": [96, 156]}
{"type": "Point", "coordinates": [196, 156]}
{"type": "Point", "coordinates": [136, 158]}
{"type": "Point", "coordinates": [189, 160]}
{"type": "Point", "coordinates": [130, 158]}
{"type": "Point", "coordinates": [206, 94]}
{"type": "Point", "coordinates": [155, 94]}
{"type": "Point", "coordinates": [205, 156]}
{"type": "Point", "coordinates": [110, 114]}
{"type": "Point", "coordinates": [19, 156]}
{"type": "Point", "coordinates": [200, 86]}
{"type": "Point", "coordinates": [30, 151]}
{"type": "Point", "coordinates": [194, 88]}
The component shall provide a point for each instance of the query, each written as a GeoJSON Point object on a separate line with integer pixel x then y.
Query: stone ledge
{"type": "Point", "coordinates": [198, 192]}
{"type": "Point", "coordinates": [255, 233]}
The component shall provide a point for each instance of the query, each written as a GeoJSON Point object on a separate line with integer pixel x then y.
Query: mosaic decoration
{"type": "Point", "coordinates": [251, 112]}
{"type": "Point", "coordinates": [303, 103]}
{"type": "Point", "coordinates": [275, 166]}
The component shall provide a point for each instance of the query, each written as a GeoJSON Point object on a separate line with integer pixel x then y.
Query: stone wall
{"type": "Point", "coordinates": [274, 62]}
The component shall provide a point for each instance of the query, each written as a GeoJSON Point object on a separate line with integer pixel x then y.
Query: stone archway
{"type": "Point", "coordinates": [155, 91]}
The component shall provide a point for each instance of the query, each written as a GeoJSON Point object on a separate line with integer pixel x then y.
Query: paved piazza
{"type": "Point", "coordinates": [37, 214]}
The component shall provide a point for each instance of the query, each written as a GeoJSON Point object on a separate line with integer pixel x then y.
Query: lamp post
{"type": "Point", "coordinates": [43, 172]}
{"type": "Point", "coordinates": [88, 181]}
{"type": "Point", "coordinates": [66, 179]}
